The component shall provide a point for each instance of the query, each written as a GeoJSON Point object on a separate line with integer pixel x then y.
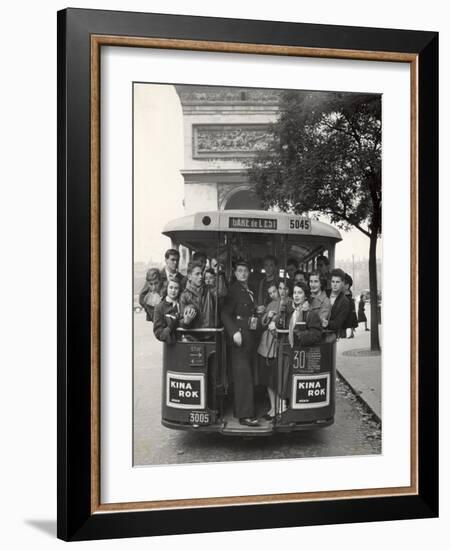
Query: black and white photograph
{"type": "Point", "coordinates": [228, 221]}
{"type": "Point", "coordinates": [257, 274]}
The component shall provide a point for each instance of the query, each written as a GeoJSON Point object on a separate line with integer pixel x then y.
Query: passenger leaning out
{"type": "Point", "coordinates": [149, 296]}
{"type": "Point", "coordinates": [305, 326]}
{"type": "Point", "coordinates": [340, 305]}
{"type": "Point", "coordinates": [201, 297]}
{"type": "Point", "coordinates": [168, 317]}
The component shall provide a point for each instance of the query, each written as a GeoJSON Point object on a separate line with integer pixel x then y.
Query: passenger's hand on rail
{"type": "Point", "coordinates": [260, 309]}
{"type": "Point", "coordinates": [189, 314]}
{"type": "Point", "coordinates": [237, 339]}
{"type": "Point", "coordinates": [325, 323]}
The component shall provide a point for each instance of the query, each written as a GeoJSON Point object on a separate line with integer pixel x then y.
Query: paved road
{"type": "Point", "coordinates": [353, 433]}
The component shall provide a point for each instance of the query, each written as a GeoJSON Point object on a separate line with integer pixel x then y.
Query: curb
{"type": "Point", "coordinates": [358, 395]}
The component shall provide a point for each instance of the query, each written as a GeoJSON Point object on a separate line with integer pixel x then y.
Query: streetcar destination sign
{"type": "Point", "coordinates": [252, 223]}
{"type": "Point", "coordinates": [295, 224]}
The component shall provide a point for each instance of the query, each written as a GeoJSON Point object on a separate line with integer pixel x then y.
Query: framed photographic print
{"type": "Point", "coordinates": [247, 244]}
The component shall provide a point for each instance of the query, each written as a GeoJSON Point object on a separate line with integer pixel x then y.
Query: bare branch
{"type": "Point", "coordinates": [348, 220]}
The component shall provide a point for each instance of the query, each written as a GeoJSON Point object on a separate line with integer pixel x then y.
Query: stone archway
{"type": "Point", "coordinates": [241, 198]}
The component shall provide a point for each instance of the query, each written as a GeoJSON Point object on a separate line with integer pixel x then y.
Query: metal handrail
{"type": "Point", "coordinates": [286, 331]}
{"type": "Point", "coordinates": [180, 329]}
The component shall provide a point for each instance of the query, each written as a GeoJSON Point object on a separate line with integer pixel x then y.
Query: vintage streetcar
{"type": "Point", "coordinates": [197, 386]}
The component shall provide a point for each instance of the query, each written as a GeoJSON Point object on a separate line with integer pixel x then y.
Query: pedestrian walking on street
{"type": "Point", "coordinates": [361, 314]}
{"type": "Point", "coordinates": [352, 321]}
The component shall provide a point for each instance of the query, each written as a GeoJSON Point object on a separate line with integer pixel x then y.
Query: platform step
{"type": "Point", "coordinates": [234, 427]}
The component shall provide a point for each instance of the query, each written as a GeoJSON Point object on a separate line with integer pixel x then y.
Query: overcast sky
{"type": "Point", "coordinates": [158, 184]}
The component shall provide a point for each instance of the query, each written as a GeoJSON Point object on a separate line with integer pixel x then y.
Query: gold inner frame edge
{"type": "Point", "coordinates": [97, 41]}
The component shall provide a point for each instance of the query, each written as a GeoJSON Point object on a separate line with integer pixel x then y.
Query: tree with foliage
{"type": "Point", "coordinates": [324, 157]}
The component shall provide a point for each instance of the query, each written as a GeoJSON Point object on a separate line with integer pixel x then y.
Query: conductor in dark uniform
{"type": "Point", "coordinates": [240, 321]}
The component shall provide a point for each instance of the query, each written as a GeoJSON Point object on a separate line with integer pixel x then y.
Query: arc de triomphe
{"type": "Point", "coordinates": [223, 128]}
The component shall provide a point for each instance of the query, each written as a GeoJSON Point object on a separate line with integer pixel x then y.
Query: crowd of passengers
{"type": "Point", "coordinates": [191, 300]}
{"type": "Point", "coordinates": [253, 308]}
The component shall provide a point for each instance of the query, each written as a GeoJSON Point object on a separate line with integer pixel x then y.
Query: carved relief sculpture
{"type": "Point", "coordinates": [226, 140]}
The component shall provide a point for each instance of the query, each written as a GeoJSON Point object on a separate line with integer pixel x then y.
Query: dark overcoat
{"type": "Point", "coordinates": [339, 313]}
{"type": "Point", "coordinates": [166, 319]}
{"type": "Point", "coordinates": [239, 305]}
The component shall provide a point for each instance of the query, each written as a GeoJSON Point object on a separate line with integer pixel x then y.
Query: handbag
{"type": "Point", "coordinates": [267, 347]}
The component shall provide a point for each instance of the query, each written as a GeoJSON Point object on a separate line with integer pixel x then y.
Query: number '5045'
{"type": "Point", "coordinates": [299, 224]}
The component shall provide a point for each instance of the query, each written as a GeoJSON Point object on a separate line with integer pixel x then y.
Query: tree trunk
{"type": "Point", "coordinates": [374, 338]}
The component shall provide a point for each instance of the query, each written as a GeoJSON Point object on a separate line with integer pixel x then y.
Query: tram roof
{"type": "Point", "coordinates": [250, 221]}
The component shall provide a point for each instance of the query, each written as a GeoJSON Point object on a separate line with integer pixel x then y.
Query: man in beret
{"type": "Point", "coordinates": [240, 321]}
